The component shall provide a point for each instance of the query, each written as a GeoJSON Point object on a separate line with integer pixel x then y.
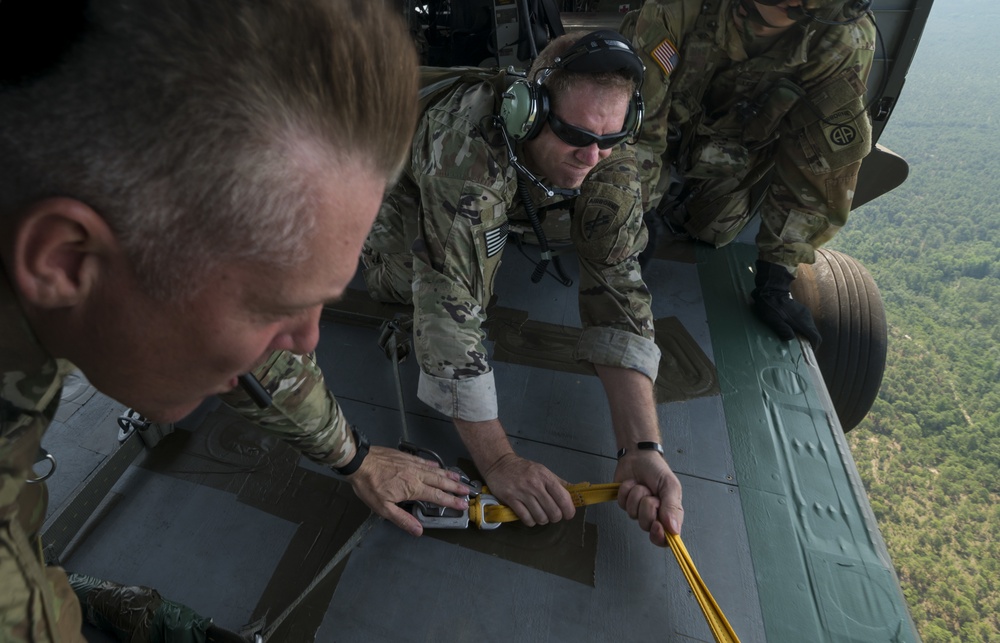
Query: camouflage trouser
{"type": "Point", "coordinates": [715, 211]}
{"type": "Point", "coordinates": [303, 412]}
{"type": "Point", "coordinates": [387, 253]}
{"type": "Point", "coordinates": [711, 210]}
{"type": "Point", "coordinates": [37, 604]}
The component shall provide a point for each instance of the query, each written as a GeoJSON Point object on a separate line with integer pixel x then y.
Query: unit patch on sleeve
{"type": "Point", "coordinates": [665, 55]}
{"type": "Point", "coordinates": [840, 131]}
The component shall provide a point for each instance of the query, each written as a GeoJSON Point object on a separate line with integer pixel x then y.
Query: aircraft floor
{"type": "Point", "coordinates": [235, 525]}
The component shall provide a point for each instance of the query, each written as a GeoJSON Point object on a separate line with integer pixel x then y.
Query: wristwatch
{"type": "Point", "coordinates": [642, 446]}
{"type": "Point", "coordinates": [361, 445]}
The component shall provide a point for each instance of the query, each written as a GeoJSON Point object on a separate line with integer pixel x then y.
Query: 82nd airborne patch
{"type": "Point", "coordinates": [840, 131]}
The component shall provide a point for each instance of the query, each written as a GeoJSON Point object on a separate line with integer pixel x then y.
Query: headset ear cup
{"type": "Point", "coordinates": [524, 109]}
{"type": "Point", "coordinates": [633, 120]}
{"type": "Point", "coordinates": [542, 100]}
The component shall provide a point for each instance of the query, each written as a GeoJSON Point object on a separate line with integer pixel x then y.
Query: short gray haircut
{"type": "Point", "coordinates": [199, 128]}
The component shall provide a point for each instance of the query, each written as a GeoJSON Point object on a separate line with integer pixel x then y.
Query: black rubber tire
{"type": "Point", "coordinates": [847, 307]}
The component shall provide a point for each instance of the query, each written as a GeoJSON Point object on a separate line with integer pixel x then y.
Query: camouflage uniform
{"type": "Point", "coordinates": [439, 238]}
{"type": "Point", "coordinates": [303, 412]}
{"type": "Point", "coordinates": [724, 107]}
{"type": "Point", "coordinates": [37, 603]}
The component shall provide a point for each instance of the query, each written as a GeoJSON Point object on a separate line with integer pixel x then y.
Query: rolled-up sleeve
{"type": "Point", "coordinates": [462, 228]}
{"type": "Point", "coordinates": [472, 399]}
{"type": "Point", "coordinates": [608, 232]}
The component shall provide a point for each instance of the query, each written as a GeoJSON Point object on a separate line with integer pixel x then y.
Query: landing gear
{"type": "Point", "coordinates": [847, 307]}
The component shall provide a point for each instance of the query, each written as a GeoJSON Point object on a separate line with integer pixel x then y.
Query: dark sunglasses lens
{"type": "Point", "coordinates": [577, 137]}
{"type": "Point", "coordinates": [608, 143]}
{"type": "Point", "coordinates": [573, 137]}
{"type": "Point", "coordinates": [769, 3]}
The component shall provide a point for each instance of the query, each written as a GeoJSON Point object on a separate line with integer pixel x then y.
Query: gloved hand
{"type": "Point", "coordinates": [773, 304]}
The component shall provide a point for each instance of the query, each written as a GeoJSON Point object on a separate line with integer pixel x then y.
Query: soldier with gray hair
{"type": "Point", "coordinates": [489, 151]}
{"type": "Point", "coordinates": [755, 106]}
{"type": "Point", "coordinates": [183, 184]}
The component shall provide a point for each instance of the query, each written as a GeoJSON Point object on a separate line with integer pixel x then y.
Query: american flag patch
{"type": "Point", "coordinates": [665, 56]}
{"type": "Point", "coordinates": [496, 239]}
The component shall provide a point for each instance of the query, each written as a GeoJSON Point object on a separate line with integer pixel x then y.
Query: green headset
{"type": "Point", "coordinates": [524, 107]}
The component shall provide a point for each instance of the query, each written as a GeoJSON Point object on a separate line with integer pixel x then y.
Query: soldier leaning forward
{"type": "Point", "coordinates": [440, 235]}
{"type": "Point", "coordinates": [740, 93]}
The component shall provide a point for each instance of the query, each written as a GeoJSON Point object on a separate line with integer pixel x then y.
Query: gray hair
{"type": "Point", "coordinates": [199, 128]}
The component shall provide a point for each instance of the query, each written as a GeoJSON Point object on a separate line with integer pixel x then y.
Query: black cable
{"type": "Point", "coordinates": [560, 275]}
{"type": "Point", "coordinates": [536, 226]}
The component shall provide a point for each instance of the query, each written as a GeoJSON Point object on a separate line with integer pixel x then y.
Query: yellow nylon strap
{"type": "Point", "coordinates": [717, 621]}
{"type": "Point", "coordinates": [584, 494]}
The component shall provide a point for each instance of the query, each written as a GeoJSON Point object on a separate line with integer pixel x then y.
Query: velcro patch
{"type": "Point", "coordinates": [665, 55]}
{"type": "Point", "coordinates": [840, 131]}
{"type": "Point", "coordinates": [496, 239]}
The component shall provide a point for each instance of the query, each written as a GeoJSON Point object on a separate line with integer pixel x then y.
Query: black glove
{"type": "Point", "coordinates": [773, 303]}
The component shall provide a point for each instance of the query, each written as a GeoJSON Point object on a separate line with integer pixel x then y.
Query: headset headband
{"type": "Point", "coordinates": [615, 55]}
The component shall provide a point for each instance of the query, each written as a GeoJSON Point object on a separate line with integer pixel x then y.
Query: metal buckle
{"type": "Point", "coordinates": [487, 500]}
{"type": "Point", "coordinates": [435, 516]}
{"type": "Point", "coordinates": [48, 474]}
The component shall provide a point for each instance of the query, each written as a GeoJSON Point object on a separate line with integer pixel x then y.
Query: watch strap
{"type": "Point", "coordinates": [361, 446]}
{"type": "Point", "coordinates": [642, 446]}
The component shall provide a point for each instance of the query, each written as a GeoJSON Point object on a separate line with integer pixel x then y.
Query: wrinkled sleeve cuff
{"type": "Point", "coordinates": [614, 347]}
{"type": "Point", "coordinates": [472, 399]}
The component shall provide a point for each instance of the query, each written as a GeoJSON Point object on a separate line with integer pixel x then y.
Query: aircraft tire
{"type": "Point", "coordinates": [847, 307]}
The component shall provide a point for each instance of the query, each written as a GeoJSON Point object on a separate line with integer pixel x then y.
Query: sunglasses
{"type": "Point", "coordinates": [579, 137]}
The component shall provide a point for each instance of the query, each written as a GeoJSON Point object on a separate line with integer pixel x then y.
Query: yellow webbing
{"type": "Point", "coordinates": [717, 622]}
{"type": "Point", "coordinates": [585, 494]}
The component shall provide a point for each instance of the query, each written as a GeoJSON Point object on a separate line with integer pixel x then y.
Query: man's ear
{"type": "Point", "coordinates": [60, 247]}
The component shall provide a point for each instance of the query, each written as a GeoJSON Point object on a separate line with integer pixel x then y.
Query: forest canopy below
{"type": "Point", "coordinates": [929, 451]}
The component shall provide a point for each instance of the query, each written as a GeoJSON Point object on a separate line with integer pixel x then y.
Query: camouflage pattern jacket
{"type": "Point", "coordinates": [722, 102]}
{"type": "Point", "coordinates": [29, 394]}
{"type": "Point", "coordinates": [36, 604]}
{"type": "Point", "coordinates": [463, 193]}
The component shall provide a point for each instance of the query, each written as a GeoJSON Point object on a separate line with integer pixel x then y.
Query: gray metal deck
{"type": "Point", "coordinates": [235, 525]}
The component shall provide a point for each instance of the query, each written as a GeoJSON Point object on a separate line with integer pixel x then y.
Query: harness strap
{"type": "Point", "coordinates": [584, 494]}
{"type": "Point", "coordinates": [717, 621]}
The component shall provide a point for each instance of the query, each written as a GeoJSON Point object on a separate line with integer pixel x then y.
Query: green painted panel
{"type": "Point", "coordinates": [821, 567]}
